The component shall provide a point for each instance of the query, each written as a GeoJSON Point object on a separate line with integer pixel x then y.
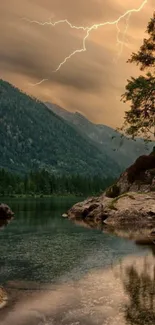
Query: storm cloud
{"type": "Point", "coordinates": [90, 82]}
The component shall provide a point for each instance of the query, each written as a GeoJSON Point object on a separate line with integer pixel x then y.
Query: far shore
{"type": "Point", "coordinates": [41, 196]}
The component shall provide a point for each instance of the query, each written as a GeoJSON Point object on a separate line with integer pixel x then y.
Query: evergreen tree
{"type": "Point", "coordinates": [140, 91]}
{"type": "Point", "coordinates": [41, 182]}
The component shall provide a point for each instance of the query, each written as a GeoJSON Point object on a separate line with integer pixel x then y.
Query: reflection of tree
{"type": "Point", "coordinates": [152, 247]}
{"type": "Point", "coordinates": [140, 288]}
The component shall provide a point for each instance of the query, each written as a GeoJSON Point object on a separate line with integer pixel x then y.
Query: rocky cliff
{"type": "Point", "coordinates": [139, 177]}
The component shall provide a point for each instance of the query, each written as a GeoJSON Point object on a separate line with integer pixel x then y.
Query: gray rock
{"type": "Point", "coordinates": [6, 214]}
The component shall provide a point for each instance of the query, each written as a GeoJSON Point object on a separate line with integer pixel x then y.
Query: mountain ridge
{"type": "Point", "coordinates": [32, 136]}
{"type": "Point", "coordinates": [109, 141]}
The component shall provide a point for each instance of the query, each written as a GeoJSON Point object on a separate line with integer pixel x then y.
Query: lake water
{"type": "Point", "coordinates": [56, 272]}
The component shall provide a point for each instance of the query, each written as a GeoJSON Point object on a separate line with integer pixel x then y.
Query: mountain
{"type": "Point", "coordinates": [123, 151]}
{"type": "Point", "coordinates": [32, 136]}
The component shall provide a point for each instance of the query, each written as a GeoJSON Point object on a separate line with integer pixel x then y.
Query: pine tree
{"type": "Point", "coordinates": [140, 91]}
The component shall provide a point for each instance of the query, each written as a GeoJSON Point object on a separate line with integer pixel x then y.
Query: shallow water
{"type": "Point", "coordinates": [56, 272]}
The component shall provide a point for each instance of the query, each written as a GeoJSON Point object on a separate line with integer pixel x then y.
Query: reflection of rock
{"type": "Point", "coordinates": [6, 214]}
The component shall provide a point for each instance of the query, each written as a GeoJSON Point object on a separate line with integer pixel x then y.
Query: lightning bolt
{"type": "Point", "coordinates": [38, 83]}
{"type": "Point", "coordinates": [88, 30]}
{"type": "Point", "coordinates": [122, 42]}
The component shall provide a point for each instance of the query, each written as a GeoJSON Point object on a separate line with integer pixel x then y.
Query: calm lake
{"type": "Point", "coordinates": [56, 272]}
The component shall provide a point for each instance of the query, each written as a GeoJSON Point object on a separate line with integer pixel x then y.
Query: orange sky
{"type": "Point", "coordinates": [91, 82]}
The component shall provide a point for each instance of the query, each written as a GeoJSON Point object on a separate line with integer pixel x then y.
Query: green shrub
{"type": "Point", "coordinates": [113, 191]}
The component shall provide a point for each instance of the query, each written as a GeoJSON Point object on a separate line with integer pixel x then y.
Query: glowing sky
{"type": "Point", "coordinates": [91, 82]}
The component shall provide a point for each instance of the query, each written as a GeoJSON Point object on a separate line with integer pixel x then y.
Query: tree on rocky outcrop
{"type": "Point", "coordinates": [140, 91]}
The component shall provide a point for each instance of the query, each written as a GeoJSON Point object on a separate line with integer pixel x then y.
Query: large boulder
{"type": "Point", "coordinates": [131, 210]}
{"type": "Point", "coordinates": [3, 297]}
{"type": "Point", "coordinates": [6, 214]}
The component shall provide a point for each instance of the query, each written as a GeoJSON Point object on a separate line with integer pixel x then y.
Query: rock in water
{"type": "Point", "coordinates": [6, 214]}
{"type": "Point", "coordinates": [3, 297]}
{"type": "Point", "coordinates": [64, 215]}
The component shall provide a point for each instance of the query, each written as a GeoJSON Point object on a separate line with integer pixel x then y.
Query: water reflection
{"type": "Point", "coordinates": [140, 288]}
{"type": "Point", "coordinates": [59, 273]}
{"type": "Point", "coordinates": [123, 294]}
{"type": "Point", "coordinates": [141, 236]}
{"type": "Point", "coordinates": [40, 245]}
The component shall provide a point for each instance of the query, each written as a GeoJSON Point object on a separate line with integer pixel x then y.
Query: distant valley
{"type": "Point", "coordinates": [121, 150]}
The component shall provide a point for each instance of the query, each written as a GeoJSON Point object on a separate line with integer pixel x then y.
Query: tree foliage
{"type": "Point", "coordinates": [140, 91]}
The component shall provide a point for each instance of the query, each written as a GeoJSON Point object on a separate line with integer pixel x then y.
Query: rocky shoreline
{"type": "Point", "coordinates": [128, 205]}
{"type": "Point", "coordinates": [130, 209]}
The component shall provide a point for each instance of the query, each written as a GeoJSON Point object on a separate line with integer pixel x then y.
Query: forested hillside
{"type": "Point", "coordinates": [32, 137]}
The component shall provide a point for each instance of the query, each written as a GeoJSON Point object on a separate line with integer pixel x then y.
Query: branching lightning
{"type": "Point", "coordinates": [88, 30]}
{"type": "Point", "coordinates": [38, 83]}
{"type": "Point", "coordinates": [121, 43]}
